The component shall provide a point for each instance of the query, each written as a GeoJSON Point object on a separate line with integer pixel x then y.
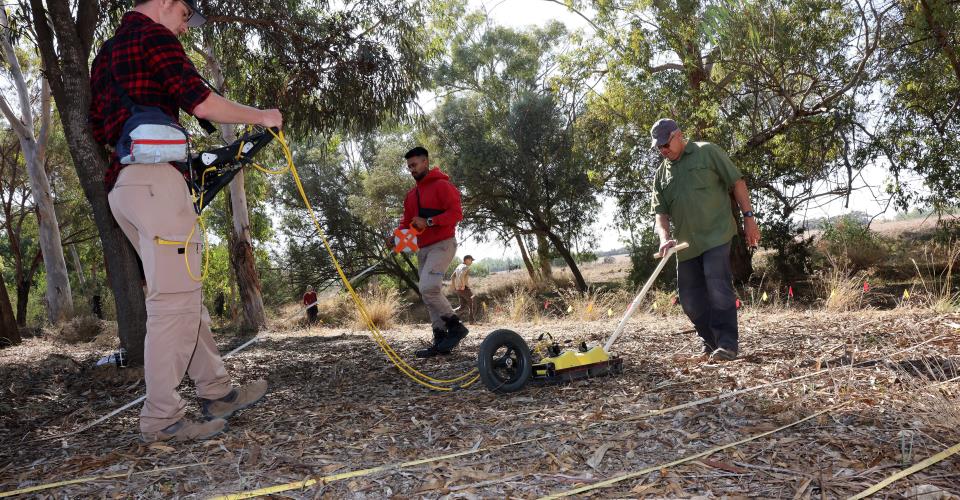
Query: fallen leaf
{"type": "Point", "coordinates": [598, 454]}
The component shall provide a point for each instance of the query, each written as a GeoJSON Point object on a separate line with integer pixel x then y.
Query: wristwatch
{"type": "Point", "coordinates": [748, 213]}
{"type": "Point", "coordinates": [430, 221]}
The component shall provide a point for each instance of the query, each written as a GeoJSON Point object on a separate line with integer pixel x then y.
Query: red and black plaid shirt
{"type": "Point", "coordinates": [148, 61]}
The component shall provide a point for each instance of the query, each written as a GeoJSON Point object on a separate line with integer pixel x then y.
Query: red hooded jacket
{"type": "Point", "coordinates": [433, 196]}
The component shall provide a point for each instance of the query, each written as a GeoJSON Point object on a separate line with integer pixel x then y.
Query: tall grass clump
{"type": "Point", "coordinates": [938, 261]}
{"type": "Point", "coordinates": [592, 304]}
{"type": "Point", "coordinates": [841, 288]}
{"type": "Point", "coordinates": [520, 305]}
{"type": "Point", "coordinates": [382, 306]}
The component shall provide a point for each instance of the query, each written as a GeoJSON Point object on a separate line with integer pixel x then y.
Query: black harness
{"type": "Point", "coordinates": [210, 171]}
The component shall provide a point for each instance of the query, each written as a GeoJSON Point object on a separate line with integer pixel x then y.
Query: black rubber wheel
{"type": "Point", "coordinates": [504, 361]}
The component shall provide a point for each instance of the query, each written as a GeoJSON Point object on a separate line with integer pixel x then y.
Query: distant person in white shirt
{"type": "Point", "coordinates": [461, 284]}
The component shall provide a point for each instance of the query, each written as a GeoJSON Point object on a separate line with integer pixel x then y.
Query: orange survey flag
{"type": "Point", "coordinates": [405, 240]}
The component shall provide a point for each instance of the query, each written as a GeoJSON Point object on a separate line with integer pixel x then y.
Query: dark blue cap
{"type": "Point", "coordinates": [660, 132]}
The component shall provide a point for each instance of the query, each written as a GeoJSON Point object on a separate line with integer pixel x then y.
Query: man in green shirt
{"type": "Point", "coordinates": [691, 189]}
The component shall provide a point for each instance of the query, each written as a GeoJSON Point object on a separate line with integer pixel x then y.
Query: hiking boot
{"type": "Point", "coordinates": [428, 352]}
{"type": "Point", "coordinates": [438, 336]}
{"type": "Point", "coordinates": [456, 331]}
{"type": "Point", "coordinates": [236, 400]}
{"type": "Point", "coordinates": [722, 354]}
{"type": "Point", "coordinates": [186, 430]}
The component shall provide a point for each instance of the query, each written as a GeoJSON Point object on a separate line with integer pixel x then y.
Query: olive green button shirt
{"type": "Point", "coordinates": [694, 192]}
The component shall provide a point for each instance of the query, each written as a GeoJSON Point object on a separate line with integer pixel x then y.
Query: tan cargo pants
{"type": "Point", "coordinates": [152, 203]}
{"type": "Point", "coordinates": [434, 261]}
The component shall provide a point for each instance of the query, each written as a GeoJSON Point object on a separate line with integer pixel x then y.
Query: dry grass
{"type": "Point", "coordinates": [939, 291]}
{"type": "Point", "coordinates": [663, 303]}
{"type": "Point", "coordinates": [382, 307]}
{"type": "Point", "coordinates": [841, 289]}
{"type": "Point", "coordinates": [593, 305]}
{"type": "Point", "coordinates": [83, 328]}
{"type": "Point", "coordinates": [519, 306]}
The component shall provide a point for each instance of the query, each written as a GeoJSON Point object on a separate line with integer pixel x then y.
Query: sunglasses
{"type": "Point", "coordinates": [666, 145]}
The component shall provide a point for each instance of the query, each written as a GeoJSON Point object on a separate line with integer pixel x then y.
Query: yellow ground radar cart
{"type": "Point", "coordinates": [506, 364]}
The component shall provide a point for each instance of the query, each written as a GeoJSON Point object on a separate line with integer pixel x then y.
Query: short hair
{"type": "Point", "coordinates": [139, 2]}
{"type": "Point", "coordinates": [417, 151]}
{"type": "Point", "coordinates": [465, 257]}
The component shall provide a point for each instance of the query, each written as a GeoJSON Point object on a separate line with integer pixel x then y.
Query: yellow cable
{"type": "Point", "coordinates": [423, 379]}
{"type": "Point", "coordinates": [193, 230]}
{"type": "Point", "coordinates": [939, 457]}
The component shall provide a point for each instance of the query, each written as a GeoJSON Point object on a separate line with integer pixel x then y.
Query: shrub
{"type": "Point", "coordinates": [643, 264]}
{"type": "Point", "coordinates": [83, 328]}
{"type": "Point", "coordinates": [850, 241]}
{"type": "Point", "coordinates": [585, 257]}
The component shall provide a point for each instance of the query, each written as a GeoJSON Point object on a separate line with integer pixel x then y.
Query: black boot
{"type": "Point", "coordinates": [438, 337]}
{"type": "Point", "coordinates": [456, 331]}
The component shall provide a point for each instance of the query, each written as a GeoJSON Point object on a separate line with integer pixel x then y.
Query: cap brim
{"type": "Point", "coordinates": [196, 20]}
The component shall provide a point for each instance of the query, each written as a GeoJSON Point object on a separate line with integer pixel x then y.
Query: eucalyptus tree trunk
{"type": "Point", "coordinates": [240, 241]}
{"type": "Point", "coordinates": [64, 34]}
{"type": "Point", "coordinates": [59, 298]}
{"type": "Point", "coordinates": [564, 252]}
{"type": "Point", "coordinates": [9, 331]}
{"type": "Point", "coordinates": [78, 265]}
{"type": "Point", "coordinates": [526, 257]}
{"type": "Point", "coordinates": [543, 255]}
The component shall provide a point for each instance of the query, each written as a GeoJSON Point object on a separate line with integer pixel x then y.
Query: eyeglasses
{"type": "Point", "coordinates": [190, 13]}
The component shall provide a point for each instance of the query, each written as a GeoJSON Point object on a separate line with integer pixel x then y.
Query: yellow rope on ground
{"type": "Point", "coordinates": [361, 472]}
{"type": "Point", "coordinates": [48, 486]}
{"type": "Point", "coordinates": [438, 384]}
{"type": "Point", "coordinates": [711, 451]}
{"type": "Point", "coordinates": [919, 466]}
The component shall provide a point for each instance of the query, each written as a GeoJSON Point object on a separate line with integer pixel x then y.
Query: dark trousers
{"type": "Point", "coordinates": [708, 298]}
{"type": "Point", "coordinates": [312, 314]}
{"type": "Point", "coordinates": [466, 304]}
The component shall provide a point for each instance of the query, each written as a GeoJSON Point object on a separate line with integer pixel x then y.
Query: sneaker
{"type": "Point", "coordinates": [724, 354]}
{"type": "Point", "coordinates": [186, 430]}
{"type": "Point", "coordinates": [236, 400]}
{"type": "Point", "coordinates": [456, 331]}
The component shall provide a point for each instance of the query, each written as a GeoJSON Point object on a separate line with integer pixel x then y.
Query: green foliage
{"type": "Point", "coordinates": [643, 264]}
{"type": "Point", "coordinates": [585, 257]}
{"type": "Point", "coordinates": [498, 265]}
{"type": "Point", "coordinates": [850, 242]}
{"type": "Point", "coordinates": [344, 66]}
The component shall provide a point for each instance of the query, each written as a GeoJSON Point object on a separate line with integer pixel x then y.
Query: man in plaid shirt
{"type": "Point", "coordinates": [152, 203]}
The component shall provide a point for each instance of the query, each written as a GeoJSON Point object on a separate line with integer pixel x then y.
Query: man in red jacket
{"type": "Point", "coordinates": [432, 207]}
